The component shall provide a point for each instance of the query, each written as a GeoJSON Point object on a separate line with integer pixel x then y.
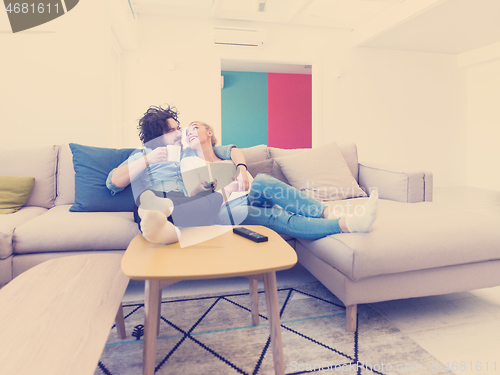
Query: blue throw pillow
{"type": "Point", "coordinates": [92, 166]}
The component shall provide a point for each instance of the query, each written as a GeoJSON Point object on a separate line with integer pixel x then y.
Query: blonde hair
{"type": "Point", "coordinates": [208, 127]}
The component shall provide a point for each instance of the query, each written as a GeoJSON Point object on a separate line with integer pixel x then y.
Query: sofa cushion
{"type": "Point", "coordinates": [264, 166]}
{"type": "Point", "coordinates": [92, 166]}
{"type": "Point", "coordinates": [39, 163]}
{"type": "Point", "coordinates": [321, 172]}
{"type": "Point", "coordinates": [8, 223]}
{"type": "Point", "coordinates": [268, 166]}
{"type": "Point", "coordinates": [255, 154]}
{"type": "Point", "coordinates": [277, 173]}
{"type": "Point", "coordinates": [5, 270]}
{"type": "Point", "coordinates": [14, 192]}
{"type": "Point", "coordinates": [348, 150]}
{"type": "Point", "coordinates": [409, 237]}
{"type": "Point", "coordinates": [397, 184]}
{"type": "Point", "coordinates": [65, 192]}
{"type": "Point", "coordinates": [62, 230]}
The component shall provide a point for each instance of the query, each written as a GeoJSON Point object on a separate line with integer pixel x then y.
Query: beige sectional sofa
{"type": "Point", "coordinates": [44, 228]}
{"type": "Point", "coordinates": [415, 248]}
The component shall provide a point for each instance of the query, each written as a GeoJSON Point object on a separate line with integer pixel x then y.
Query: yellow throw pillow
{"type": "Point", "coordinates": [14, 192]}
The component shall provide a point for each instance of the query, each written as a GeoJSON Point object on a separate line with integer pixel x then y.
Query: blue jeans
{"type": "Point", "coordinates": [280, 207]}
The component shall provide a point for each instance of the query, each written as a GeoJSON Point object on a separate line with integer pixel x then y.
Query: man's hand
{"type": "Point", "coordinates": [158, 155]}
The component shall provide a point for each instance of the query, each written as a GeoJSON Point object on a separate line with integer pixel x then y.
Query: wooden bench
{"type": "Point", "coordinates": [55, 318]}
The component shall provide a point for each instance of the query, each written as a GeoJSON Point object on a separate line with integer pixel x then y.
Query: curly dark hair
{"type": "Point", "coordinates": [154, 123]}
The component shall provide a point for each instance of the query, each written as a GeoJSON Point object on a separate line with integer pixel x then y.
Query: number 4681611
{"type": "Point", "coordinates": [470, 366]}
{"type": "Point", "coordinates": [32, 8]}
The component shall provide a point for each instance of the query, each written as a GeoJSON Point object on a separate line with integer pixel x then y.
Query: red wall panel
{"type": "Point", "coordinates": [289, 110]}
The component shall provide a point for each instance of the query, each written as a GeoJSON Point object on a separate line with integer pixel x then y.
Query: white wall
{"type": "Point", "coordinates": [403, 108]}
{"type": "Point", "coordinates": [193, 85]}
{"type": "Point", "coordinates": [483, 131]}
{"type": "Point", "coordinates": [56, 80]}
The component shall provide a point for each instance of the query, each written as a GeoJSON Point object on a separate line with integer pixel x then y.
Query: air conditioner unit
{"type": "Point", "coordinates": [239, 37]}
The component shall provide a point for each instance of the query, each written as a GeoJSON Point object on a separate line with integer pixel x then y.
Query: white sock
{"type": "Point", "coordinates": [335, 214]}
{"type": "Point", "coordinates": [156, 228]}
{"type": "Point", "coordinates": [149, 201]}
{"type": "Point", "coordinates": [364, 216]}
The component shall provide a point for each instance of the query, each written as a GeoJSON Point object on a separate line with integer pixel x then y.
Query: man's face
{"type": "Point", "coordinates": [174, 135]}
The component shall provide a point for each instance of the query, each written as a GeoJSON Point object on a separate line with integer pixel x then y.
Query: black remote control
{"type": "Point", "coordinates": [251, 235]}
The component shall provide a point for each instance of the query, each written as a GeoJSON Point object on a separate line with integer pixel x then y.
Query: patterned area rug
{"type": "Point", "coordinates": [213, 335]}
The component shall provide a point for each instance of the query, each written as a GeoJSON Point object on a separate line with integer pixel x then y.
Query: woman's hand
{"type": "Point", "coordinates": [232, 188]}
{"type": "Point", "coordinates": [158, 155]}
{"type": "Point", "coordinates": [201, 187]}
{"type": "Point", "coordinates": [243, 182]}
{"type": "Point", "coordinates": [238, 158]}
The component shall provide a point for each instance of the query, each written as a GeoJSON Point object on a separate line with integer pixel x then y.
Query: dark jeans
{"type": "Point", "coordinates": [200, 210]}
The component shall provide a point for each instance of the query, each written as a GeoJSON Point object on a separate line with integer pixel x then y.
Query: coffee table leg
{"type": "Point", "coordinates": [254, 301]}
{"type": "Point", "coordinates": [273, 314]}
{"type": "Point", "coordinates": [120, 323]}
{"type": "Point", "coordinates": [159, 311]}
{"type": "Point", "coordinates": [151, 303]}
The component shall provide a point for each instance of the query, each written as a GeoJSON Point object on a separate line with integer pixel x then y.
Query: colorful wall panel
{"type": "Point", "coordinates": [244, 109]}
{"type": "Point", "coordinates": [267, 108]}
{"type": "Point", "coordinates": [289, 110]}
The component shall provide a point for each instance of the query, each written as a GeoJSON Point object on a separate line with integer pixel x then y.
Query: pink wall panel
{"type": "Point", "coordinates": [289, 110]}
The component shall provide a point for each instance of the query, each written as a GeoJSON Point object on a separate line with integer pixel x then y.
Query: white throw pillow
{"type": "Point", "coordinates": [321, 173]}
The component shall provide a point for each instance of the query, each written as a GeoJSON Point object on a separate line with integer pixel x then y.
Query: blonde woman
{"type": "Point", "coordinates": [276, 205]}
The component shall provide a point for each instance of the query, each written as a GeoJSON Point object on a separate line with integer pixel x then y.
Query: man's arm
{"type": "Point", "coordinates": [125, 173]}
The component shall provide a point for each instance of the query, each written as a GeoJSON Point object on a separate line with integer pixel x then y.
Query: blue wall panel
{"type": "Point", "coordinates": [244, 109]}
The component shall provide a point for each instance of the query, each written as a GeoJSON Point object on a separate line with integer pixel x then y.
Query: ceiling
{"type": "Point", "coordinates": [345, 14]}
{"type": "Point", "coordinates": [254, 66]}
{"type": "Point", "coordinates": [453, 26]}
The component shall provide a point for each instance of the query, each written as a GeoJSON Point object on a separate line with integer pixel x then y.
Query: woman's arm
{"type": "Point", "coordinates": [238, 157]}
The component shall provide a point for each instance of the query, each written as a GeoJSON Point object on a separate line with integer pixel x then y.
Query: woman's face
{"type": "Point", "coordinates": [197, 135]}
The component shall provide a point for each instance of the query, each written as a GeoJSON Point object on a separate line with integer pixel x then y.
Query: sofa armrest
{"type": "Point", "coordinates": [410, 186]}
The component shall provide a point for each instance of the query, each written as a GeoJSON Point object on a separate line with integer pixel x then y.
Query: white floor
{"type": "Point", "coordinates": [461, 329]}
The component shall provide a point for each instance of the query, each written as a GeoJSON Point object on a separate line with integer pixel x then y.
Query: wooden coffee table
{"type": "Point", "coordinates": [55, 317]}
{"type": "Point", "coordinates": [227, 255]}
